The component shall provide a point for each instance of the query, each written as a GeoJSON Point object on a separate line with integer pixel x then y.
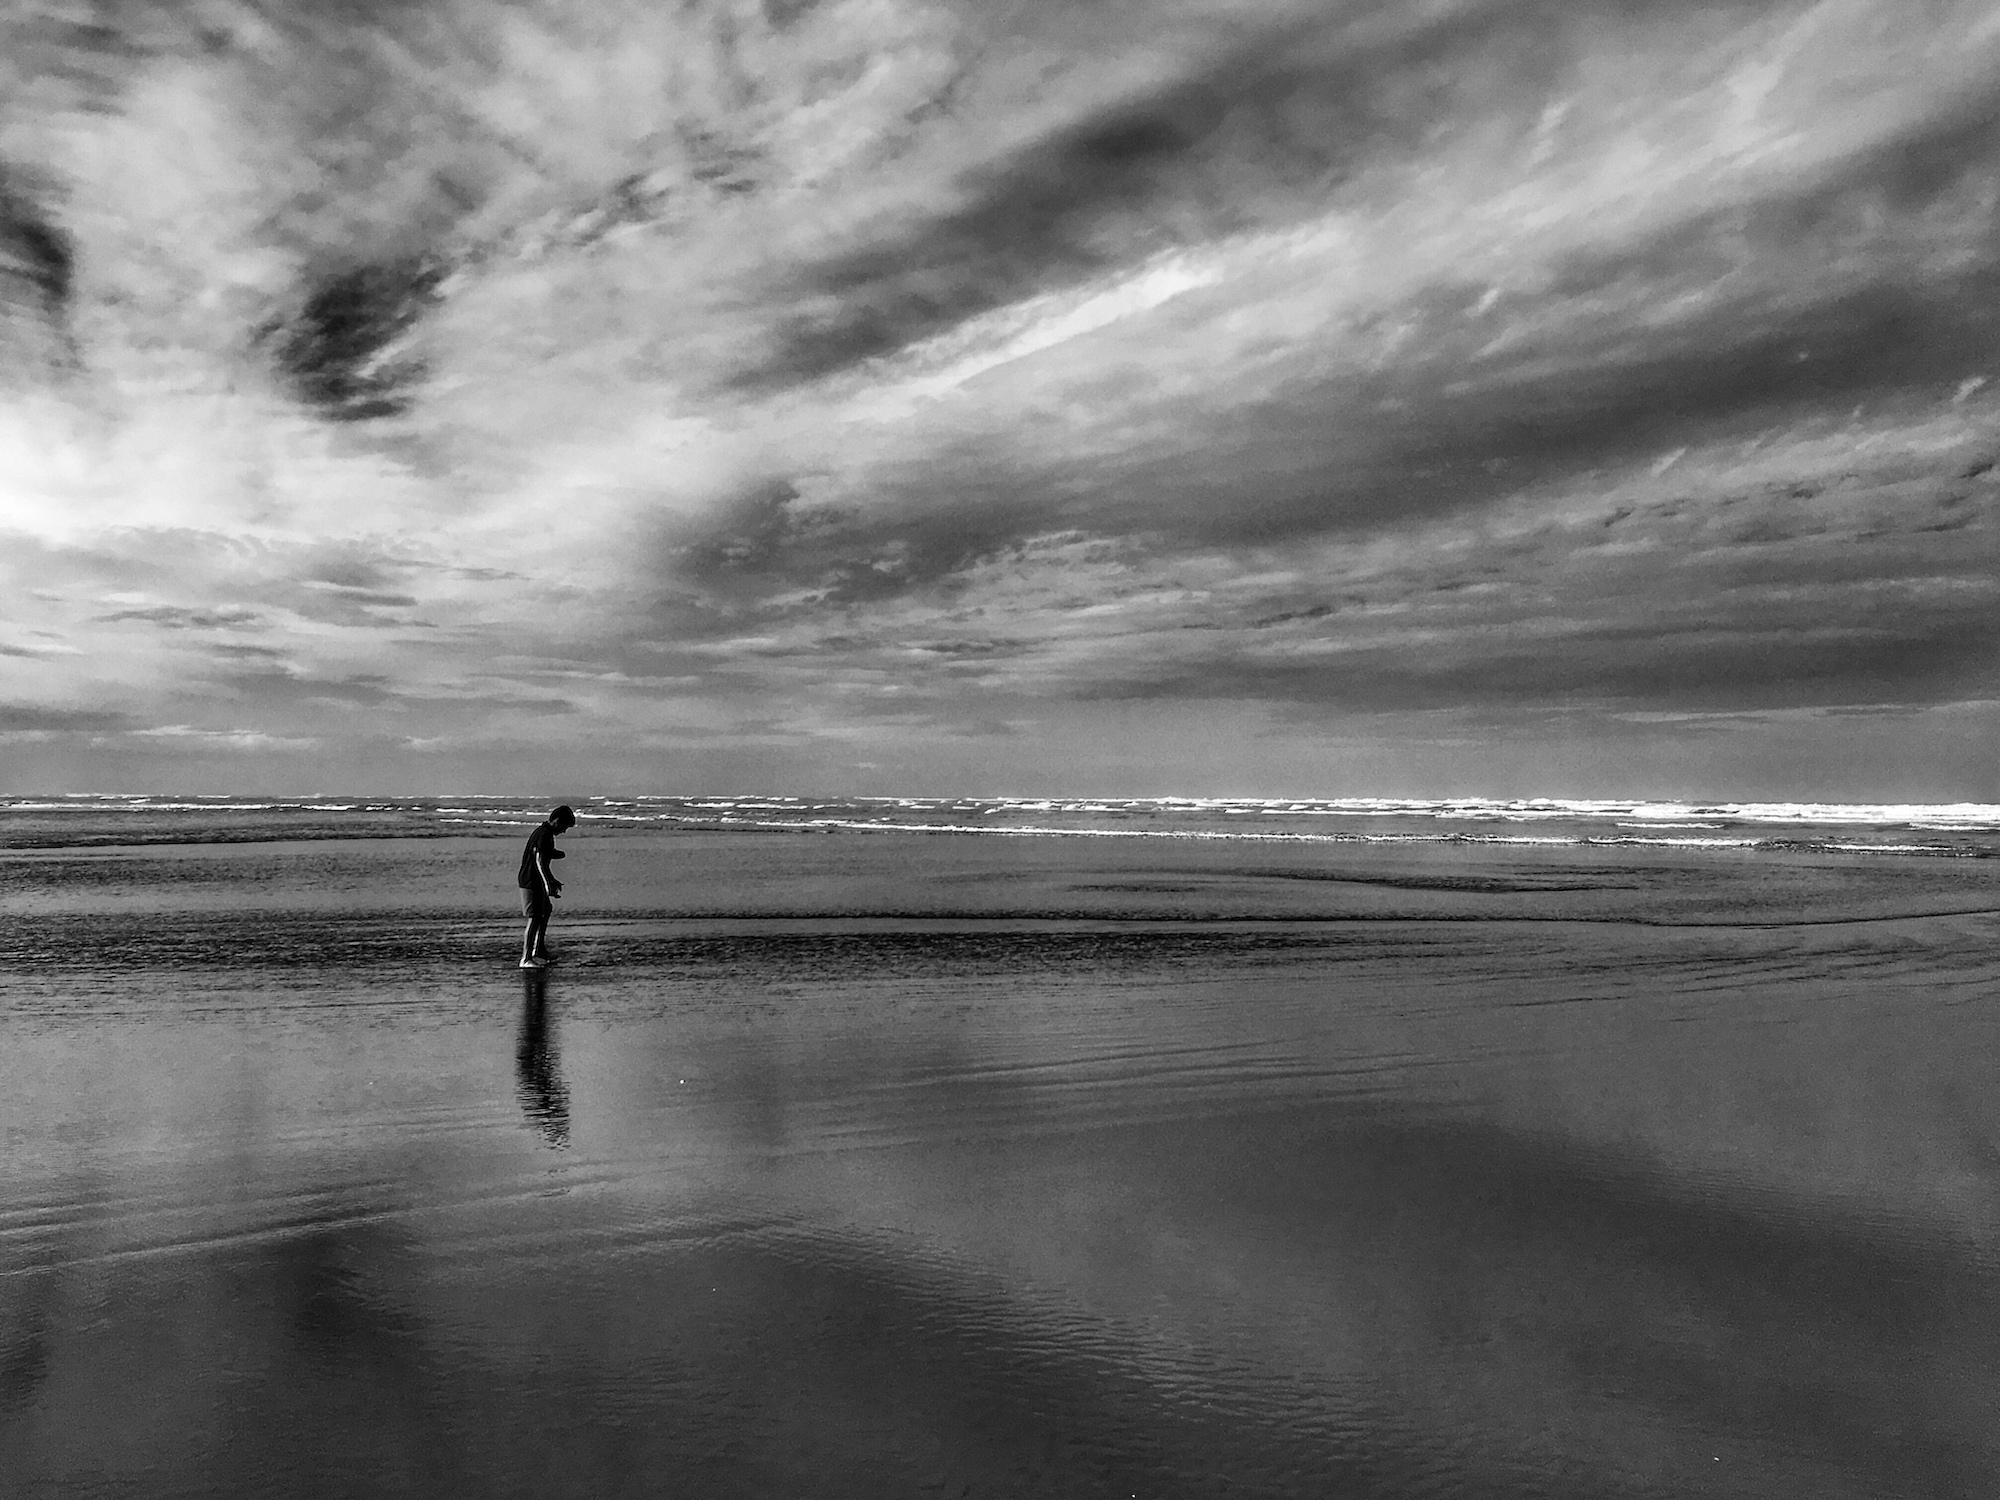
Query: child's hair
{"type": "Point", "coordinates": [564, 815]}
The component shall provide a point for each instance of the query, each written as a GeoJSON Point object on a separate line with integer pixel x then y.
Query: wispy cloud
{"type": "Point", "coordinates": [225, 739]}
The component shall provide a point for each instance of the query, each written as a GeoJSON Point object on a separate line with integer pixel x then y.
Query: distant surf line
{"type": "Point", "coordinates": [1279, 836]}
{"type": "Point", "coordinates": [1646, 813]}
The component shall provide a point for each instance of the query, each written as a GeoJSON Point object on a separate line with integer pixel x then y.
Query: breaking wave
{"type": "Point", "coordinates": [1962, 829]}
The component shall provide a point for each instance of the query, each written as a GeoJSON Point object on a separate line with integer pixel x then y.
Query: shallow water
{"type": "Point", "coordinates": [877, 1165]}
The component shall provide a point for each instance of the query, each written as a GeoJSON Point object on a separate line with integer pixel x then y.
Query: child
{"type": "Point", "coordinates": [539, 886]}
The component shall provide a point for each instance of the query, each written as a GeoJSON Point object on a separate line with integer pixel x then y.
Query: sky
{"type": "Point", "coordinates": [1117, 397]}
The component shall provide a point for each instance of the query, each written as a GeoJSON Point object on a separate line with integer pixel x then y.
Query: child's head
{"type": "Point", "coordinates": [563, 818]}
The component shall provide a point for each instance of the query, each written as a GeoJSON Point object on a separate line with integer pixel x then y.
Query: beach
{"type": "Point", "coordinates": [924, 1149]}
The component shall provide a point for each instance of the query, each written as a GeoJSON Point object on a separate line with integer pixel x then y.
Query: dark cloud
{"type": "Point", "coordinates": [350, 588]}
{"type": "Point", "coordinates": [34, 253]}
{"type": "Point", "coordinates": [745, 535]}
{"type": "Point", "coordinates": [1262, 136]}
{"type": "Point", "coordinates": [1680, 666]}
{"type": "Point", "coordinates": [1846, 302]}
{"type": "Point", "coordinates": [37, 275]}
{"type": "Point", "coordinates": [1811, 298]}
{"type": "Point", "coordinates": [182, 617]}
{"type": "Point", "coordinates": [341, 349]}
{"type": "Point", "coordinates": [272, 688]}
{"type": "Point", "coordinates": [1255, 138]}
{"type": "Point", "coordinates": [347, 568]}
{"type": "Point", "coordinates": [1872, 585]}
{"type": "Point", "coordinates": [28, 718]}
{"type": "Point", "coordinates": [370, 598]}
{"type": "Point", "coordinates": [511, 704]}
{"type": "Point", "coordinates": [768, 541]}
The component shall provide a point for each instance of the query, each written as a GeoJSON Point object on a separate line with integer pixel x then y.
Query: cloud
{"type": "Point", "coordinates": [178, 617]}
{"type": "Point", "coordinates": [816, 375]}
{"type": "Point", "coordinates": [28, 718]}
{"type": "Point", "coordinates": [225, 739]}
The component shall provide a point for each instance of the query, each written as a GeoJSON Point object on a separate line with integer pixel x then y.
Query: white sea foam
{"type": "Point", "coordinates": [1029, 830]}
{"type": "Point", "coordinates": [147, 805]}
{"type": "Point", "coordinates": [1962, 828]}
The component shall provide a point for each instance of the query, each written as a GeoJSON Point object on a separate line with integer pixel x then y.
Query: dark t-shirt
{"type": "Point", "coordinates": [541, 841]}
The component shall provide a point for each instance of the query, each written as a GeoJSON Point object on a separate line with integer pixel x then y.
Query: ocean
{"type": "Point", "coordinates": [1000, 1147]}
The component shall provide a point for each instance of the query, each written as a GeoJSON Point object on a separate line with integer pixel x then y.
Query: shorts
{"type": "Point", "coordinates": [535, 903]}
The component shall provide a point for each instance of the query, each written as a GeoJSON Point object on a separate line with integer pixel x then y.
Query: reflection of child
{"type": "Point", "coordinates": [539, 886]}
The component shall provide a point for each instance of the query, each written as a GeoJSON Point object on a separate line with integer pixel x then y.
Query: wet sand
{"type": "Point", "coordinates": [878, 1166]}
